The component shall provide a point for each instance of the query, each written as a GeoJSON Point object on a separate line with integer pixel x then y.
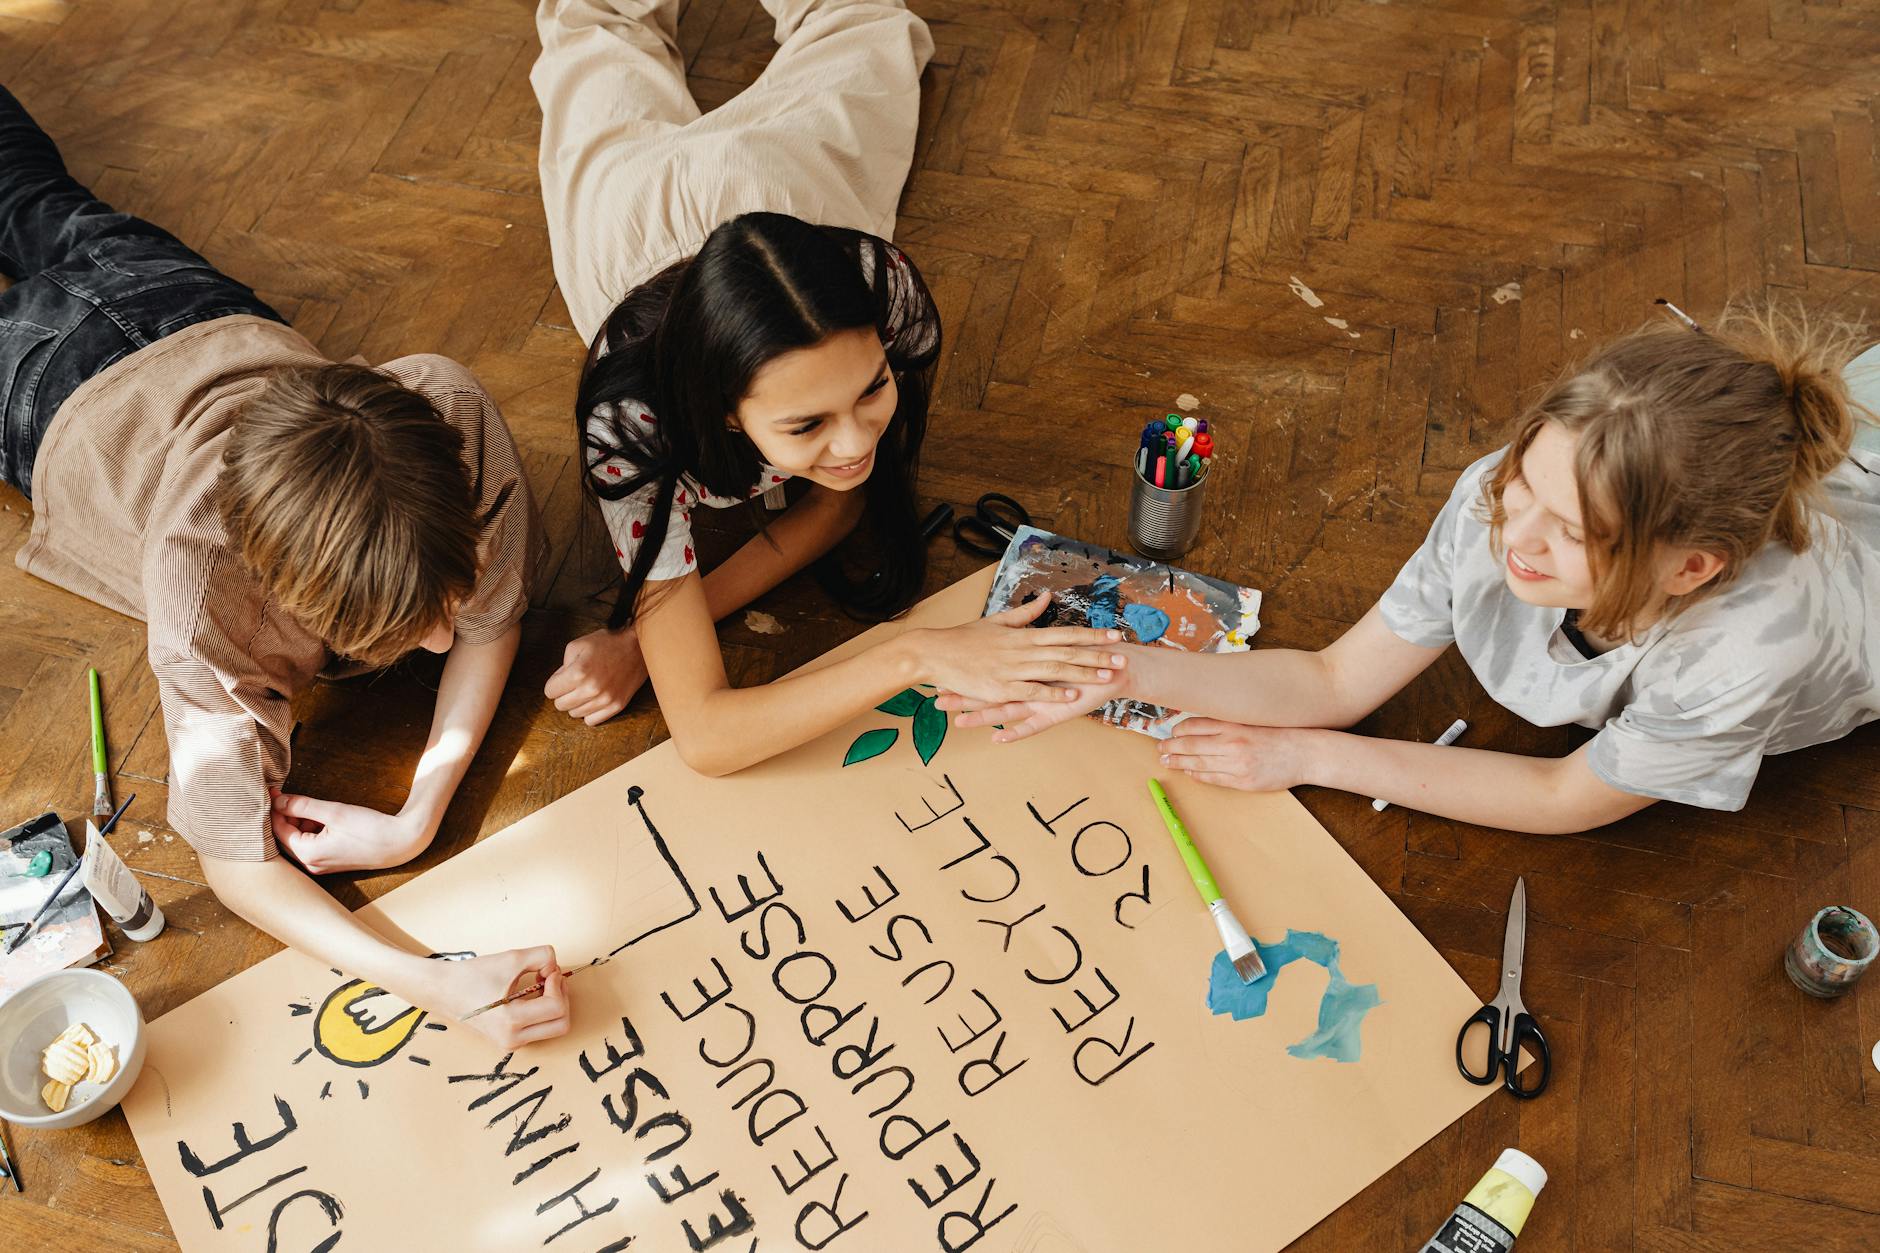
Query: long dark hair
{"type": "Point", "coordinates": [686, 345]}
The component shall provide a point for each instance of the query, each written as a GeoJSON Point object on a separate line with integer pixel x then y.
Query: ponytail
{"type": "Point", "coordinates": [1807, 358]}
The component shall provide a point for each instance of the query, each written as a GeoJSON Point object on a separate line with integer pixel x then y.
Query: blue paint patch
{"type": "Point", "coordinates": [1149, 623]}
{"type": "Point", "coordinates": [1103, 601]}
{"type": "Point", "coordinates": [1341, 1009]}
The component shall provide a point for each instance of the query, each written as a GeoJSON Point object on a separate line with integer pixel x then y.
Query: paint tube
{"type": "Point", "coordinates": [1492, 1215]}
{"type": "Point", "coordinates": [113, 885]}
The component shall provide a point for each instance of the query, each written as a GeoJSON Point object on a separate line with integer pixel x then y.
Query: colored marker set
{"type": "Point", "coordinates": [1175, 452]}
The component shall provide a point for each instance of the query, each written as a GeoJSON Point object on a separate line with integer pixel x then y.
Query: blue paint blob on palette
{"type": "Point", "coordinates": [1341, 1009]}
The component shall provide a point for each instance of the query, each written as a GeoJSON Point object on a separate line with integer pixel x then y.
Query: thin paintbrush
{"type": "Point", "coordinates": [19, 936]}
{"type": "Point", "coordinates": [532, 989]}
{"type": "Point", "coordinates": [100, 772]}
{"type": "Point", "coordinates": [7, 1167]}
{"type": "Point", "coordinates": [1240, 949]}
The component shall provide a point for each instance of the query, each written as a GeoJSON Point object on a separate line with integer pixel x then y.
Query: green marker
{"type": "Point", "coordinates": [1240, 949]}
{"type": "Point", "coordinates": [100, 773]}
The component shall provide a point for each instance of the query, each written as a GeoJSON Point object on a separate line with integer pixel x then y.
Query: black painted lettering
{"type": "Point", "coordinates": [244, 1147]}
{"type": "Point", "coordinates": [809, 1171]}
{"type": "Point", "coordinates": [707, 997]}
{"type": "Point", "coordinates": [329, 1209]}
{"type": "Point", "coordinates": [916, 1135]}
{"type": "Point", "coordinates": [638, 1077]}
{"type": "Point", "coordinates": [948, 1184]}
{"type": "Point", "coordinates": [1005, 861]}
{"type": "Point", "coordinates": [779, 976]}
{"type": "Point", "coordinates": [751, 899]}
{"type": "Point", "coordinates": [1091, 1007]}
{"type": "Point", "coordinates": [850, 1060]}
{"type": "Point", "coordinates": [615, 1057]}
{"type": "Point", "coordinates": [671, 1118]}
{"type": "Point", "coordinates": [899, 952]}
{"type": "Point", "coordinates": [1098, 856]}
{"type": "Point", "coordinates": [1011, 926]}
{"type": "Point", "coordinates": [218, 1211]}
{"type": "Point", "coordinates": [907, 1086]}
{"type": "Point", "coordinates": [960, 1230]}
{"type": "Point", "coordinates": [502, 1081]}
{"type": "Point", "coordinates": [1142, 896]}
{"type": "Point", "coordinates": [833, 1020]}
{"type": "Point", "coordinates": [1103, 1071]}
{"type": "Point", "coordinates": [520, 1137]}
{"type": "Point", "coordinates": [796, 1110]}
{"type": "Point", "coordinates": [540, 1162]}
{"type": "Point", "coordinates": [1050, 824]}
{"type": "Point", "coordinates": [830, 1218]}
{"type": "Point", "coordinates": [750, 1038]}
{"type": "Point", "coordinates": [582, 1212]}
{"type": "Point", "coordinates": [763, 931]}
{"type": "Point", "coordinates": [977, 1077]}
{"type": "Point", "coordinates": [868, 894]}
{"type": "Point", "coordinates": [944, 984]}
{"type": "Point", "coordinates": [975, 851]}
{"type": "Point", "coordinates": [1077, 961]}
{"type": "Point", "coordinates": [736, 1221]}
{"type": "Point", "coordinates": [770, 1077]}
{"type": "Point", "coordinates": [976, 1033]}
{"type": "Point", "coordinates": [934, 815]}
{"type": "Point", "coordinates": [681, 1184]}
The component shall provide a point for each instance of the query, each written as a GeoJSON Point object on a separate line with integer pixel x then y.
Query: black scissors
{"type": "Point", "coordinates": [1509, 1024]}
{"type": "Point", "coordinates": [987, 530]}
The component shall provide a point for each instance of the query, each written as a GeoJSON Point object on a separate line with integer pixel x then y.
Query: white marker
{"type": "Point", "coordinates": [1444, 740]}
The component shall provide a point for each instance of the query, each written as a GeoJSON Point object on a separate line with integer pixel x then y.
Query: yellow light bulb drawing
{"type": "Point", "coordinates": [362, 1025]}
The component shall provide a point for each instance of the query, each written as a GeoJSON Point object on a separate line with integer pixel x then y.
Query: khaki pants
{"type": "Point", "coordinates": [634, 178]}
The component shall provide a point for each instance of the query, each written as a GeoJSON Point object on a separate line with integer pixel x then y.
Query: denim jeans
{"type": "Point", "coordinates": [92, 286]}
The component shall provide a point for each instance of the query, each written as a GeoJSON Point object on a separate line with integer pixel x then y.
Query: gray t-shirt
{"type": "Point", "coordinates": [1787, 656]}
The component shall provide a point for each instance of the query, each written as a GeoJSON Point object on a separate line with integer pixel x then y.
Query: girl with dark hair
{"type": "Point", "coordinates": [750, 348]}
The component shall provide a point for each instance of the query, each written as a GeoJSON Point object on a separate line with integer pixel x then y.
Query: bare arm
{"type": "Point", "coordinates": [601, 670]}
{"type": "Point", "coordinates": [1540, 795]}
{"type": "Point", "coordinates": [1276, 687]}
{"type": "Point", "coordinates": [276, 897]}
{"type": "Point", "coordinates": [327, 836]}
{"type": "Point", "coordinates": [720, 729]}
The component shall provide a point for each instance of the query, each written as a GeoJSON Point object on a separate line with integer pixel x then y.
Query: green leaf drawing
{"type": "Point", "coordinates": [901, 704]}
{"type": "Point", "coordinates": [871, 744]}
{"type": "Point", "coordinates": [930, 730]}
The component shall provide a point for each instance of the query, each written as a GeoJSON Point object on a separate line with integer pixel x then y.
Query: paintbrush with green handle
{"type": "Point", "coordinates": [100, 773]}
{"type": "Point", "coordinates": [1240, 949]}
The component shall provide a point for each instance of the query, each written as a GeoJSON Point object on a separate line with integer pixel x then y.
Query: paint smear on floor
{"type": "Point", "coordinates": [762, 623]}
{"type": "Point", "coordinates": [1187, 402]}
{"type": "Point", "coordinates": [1341, 1009]}
{"type": "Point", "coordinates": [1342, 325]}
{"type": "Point", "coordinates": [1305, 293]}
{"type": "Point", "coordinates": [1506, 292]}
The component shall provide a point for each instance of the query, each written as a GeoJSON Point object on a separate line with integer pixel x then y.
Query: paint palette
{"type": "Point", "coordinates": [1151, 603]}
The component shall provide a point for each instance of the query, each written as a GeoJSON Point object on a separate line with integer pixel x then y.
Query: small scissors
{"type": "Point", "coordinates": [995, 519]}
{"type": "Point", "coordinates": [1509, 1024]}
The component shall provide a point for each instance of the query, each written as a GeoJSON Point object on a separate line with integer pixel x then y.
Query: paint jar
{"type": "Point", "coordinates": [1492, 1215]}
{"type": "Point", "coordinates": [1831, 952]}
{"type": "Point", "coordinates": [1163, 521]}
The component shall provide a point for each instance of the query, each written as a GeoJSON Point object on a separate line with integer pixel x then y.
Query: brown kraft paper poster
{"type": "Point", "coordinates": [888, 1007]}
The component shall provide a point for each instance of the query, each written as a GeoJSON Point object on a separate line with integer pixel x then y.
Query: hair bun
{"type": "Point", "coordinates": [1809, 356]}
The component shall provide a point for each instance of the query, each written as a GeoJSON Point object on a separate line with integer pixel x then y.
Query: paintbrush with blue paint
{"type": "Point", "coordinates": [1240, 949]}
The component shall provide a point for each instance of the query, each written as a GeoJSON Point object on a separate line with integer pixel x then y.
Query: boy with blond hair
{"type": "Point", "coordinates": [271, 516]}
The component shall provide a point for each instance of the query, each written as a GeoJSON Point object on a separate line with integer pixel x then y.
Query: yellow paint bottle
{"type": "Point", "coordinates": [1492, 1215]}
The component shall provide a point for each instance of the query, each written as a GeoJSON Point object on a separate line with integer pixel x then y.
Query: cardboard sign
{"type": "Point", "coordinates": [953, 995]}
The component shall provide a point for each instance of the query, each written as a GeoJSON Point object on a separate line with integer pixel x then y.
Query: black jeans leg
{"type": "Point", "coordinates": [95, 285]}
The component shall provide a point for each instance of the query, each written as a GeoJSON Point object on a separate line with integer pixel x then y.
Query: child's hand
{"type": "Point", "coordinates": [1018, 720]}
{"type": "Point", "coordinates": [1227, 754]}
{"type": "Point", "coordinates": [599, 674]}
{"type": "Point", "coordinates": [462, 987]}
{"type": "Point", "coordinates": [993, 660]}
{"type": "Point", "coordinates": [326, 837]}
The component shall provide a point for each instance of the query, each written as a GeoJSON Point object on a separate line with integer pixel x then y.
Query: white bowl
{"type": "Point", "coordinates": [38, 1012]}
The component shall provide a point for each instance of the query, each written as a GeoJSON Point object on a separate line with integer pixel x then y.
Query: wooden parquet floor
{"type": "Point", "coordinates": [1115, 201]}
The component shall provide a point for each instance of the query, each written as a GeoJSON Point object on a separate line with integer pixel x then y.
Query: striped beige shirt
{"type": "Point", "coordinates": [124, 514]}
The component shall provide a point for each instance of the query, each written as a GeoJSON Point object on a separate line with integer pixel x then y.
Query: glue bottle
{"type": "Point", "coordinates": [1492, 1215]}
